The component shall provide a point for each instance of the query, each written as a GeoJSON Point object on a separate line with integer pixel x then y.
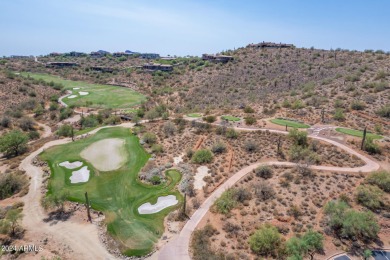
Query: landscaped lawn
{"type": "Point", "coordinates": [195, 115]}
{"type": "Point", "coordinates": [118, 193]}
{"type": "Point", "coordinates": [99, 96]}
{"type": "Point", "coordinates": [289, 123]}
{"type": "Point", "coordinates": [231, 118]}
{"type": "Point", "coordinates": [357, 133]}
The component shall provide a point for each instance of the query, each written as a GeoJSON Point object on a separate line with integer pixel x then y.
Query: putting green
{"type": "Point", "coordinates": [99, 96]}
{"type": "Point", "coordinates": [231, 118]}
{"type": "Point", "coordinates": [357, 133]}
{"type": "Point", "coordinates": [194, 115]}
{"type": "Point", "coordinates": [289, 123]}
{"type": "Point", "coordinates": [118, 193]}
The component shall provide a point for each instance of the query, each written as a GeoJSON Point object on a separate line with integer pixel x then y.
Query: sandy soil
{"type": "Point", "coordinates": [79, 176]}
{"type": "Point", "coordinates": [72, 96]}
{"type": "Point", "coordinates": [106, 155]}
{"type": "Point", "coordinates": [162, 203]}
{"type": "Point", "coordinates": [71, 165]}
{"type": "Point", "coordinates": [178, 159]}
{"type": "Point", "coordinates": [201, 172]}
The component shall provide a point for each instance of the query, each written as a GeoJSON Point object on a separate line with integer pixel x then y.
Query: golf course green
{"type": "Point", "coordinates": [357, 133]}
{"type": "Point", "coordinates": [194, 115]}
{"type": "Point", "coordinates": [117, 193]}
{"type": "Point", "coordinates": [231, 118]}
{"type": "Point", "coordinates": [93, 95]}
{"type": "Point", "coordinates": [289, 123]}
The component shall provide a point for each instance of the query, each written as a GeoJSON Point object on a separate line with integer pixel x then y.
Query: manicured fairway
{"type": "Point", "coordinates": [195, 115]}
{"type": "Point", "coordinates": [118, 194]}
{"type": "Point", "coordinates": [289, 123]}
{"type": "Point", "coordinates": [99, 96]}
{"type": "Point", "coordinates": [357, 133]}
{"type": "Point", "coordinates": [231, 118]}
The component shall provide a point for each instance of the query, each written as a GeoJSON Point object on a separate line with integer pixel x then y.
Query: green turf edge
{"type": "Point", "coordinates": [357, 133]}
{"type": "Point", "coordinates": [231, 118]}
{"type": "Point", "coordinates": [289, 123]}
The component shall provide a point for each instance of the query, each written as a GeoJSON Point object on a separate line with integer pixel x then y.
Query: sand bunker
{"type": "Point", "coordinates": [76, 88]}
{"type": "Point", "coordinates": [72, 96]}
{"type": "Point", "coordinates": [162, 203]}
{"type": "Point", "coordinates": [106, 155]}
{"type": "Point", "coordinates": [201, 172]}
{"type": "Point", "coordinates": [69, 165]}
{"type": "Point", "coordinates": [81, 175]}
{"type": "Point", "coordinates": [83, 93]}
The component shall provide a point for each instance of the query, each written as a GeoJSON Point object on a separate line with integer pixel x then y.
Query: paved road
{"type": "Point", "coordinates": [178, 248]}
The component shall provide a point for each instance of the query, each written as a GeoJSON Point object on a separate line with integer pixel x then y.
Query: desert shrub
{"type": "Point", "coordinates": [210, 119]}
{"type": "Point", "coordinates": [155, 180]}
{"type": "Point", "coordinates": [384, 111]}
{"type": "Point", "coordinates": [264, 191]}
{"type": "Point", "coordinates": [248, 109]}
{"type": "Point", "coordinates": [202, 156]}
{"type": "Point", "coordinates": [350, 223]}
{"type": "Point", "coordinates": [53, 106]}
{"type": "Point", "coordinates": [266, 240]}
{"type": "Point", "coordinates": [294, 211]}
{"type": "Point", "coordinates": [242, 195]}
{"type": "Point", "coordinates": [89, 121]}
{"type": "Point", "coordinates": [65, 130]}
{"type": "Point", "coordinates": [26, 124]}
{"type": "Point", "coordinates": [297, 104]}
{"type": "Point", "coordinates": [152, 114]}
{"type": "Point", "coordinates": [33, 135]}
{"type": "Point", "coordinates": [201, 245]}
{"type": "Point", "coordinates": [226, 202]}
{"type": "Point", "coordinates": [221, 130]}
{"type": "Point", "coordinates": [149, 138]}
{"type": "Point", "coordinates": [298, 153]}
{"type": "Point", "coordinates": [250, 145]}
{"type": "Point", "coordinates": [10, 184]}
{"type": "Point", "coordinates": [157, 148]}
{"type": "Point", "coordinates": [65, 113]}
{"type": "Point", "coordinates": [357, 105]}
{"type": "Point", "coordinates": [380, 179]}
{"type": "Point", "coordinates": [231, 133]}
{"type": "Point", "coordinates": [5, 121]}
{"type": "Point", "coordinates": [13, 143]}
{"type": "Point", "coordinates": [339, 114]}
{"type": "Point", "coordinates": [370, 196]}
{"type": "Point", "coordinates": [310, 243]}
{"type": "Point", "coordinates": [169, 128]}
{"type": "Point", "coordinates": [250, 120]}
{"type": "Point", "coordinates": [298, 137]}
{"type": "Point", "coordinates": [112, 120]}
{"type": "Point", "coordinates": [371, 147]}
{"type": "Point", "coordinates": [264, 171]}
{"type": "Point", "coordinates": [218, 147]}
{"type": "Point", "coordinates": [38, 111]}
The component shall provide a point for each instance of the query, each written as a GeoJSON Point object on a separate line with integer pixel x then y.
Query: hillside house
{"type": "Point", "coordinates": [270, 45]}
{"type": "Point", "coordinates": [150, 56]}
{"type": "Point", "coordinates": [102, 69]}
{"type": "Point", "coordinates": [217, 58]}
{"type": "Point", "coordinates": [61, 64]}
{"type": "Point", "coordinates": [157, 66]}
{"type": "Point", "coordinates": [96, 54]}
{"type": "Point", "coordinates": [55, 54]}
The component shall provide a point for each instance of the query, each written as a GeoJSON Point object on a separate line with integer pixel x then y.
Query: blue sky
{"type": "Point", "coordinates": [180, 27]}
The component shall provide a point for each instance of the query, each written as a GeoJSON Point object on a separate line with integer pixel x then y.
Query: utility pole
{"type": "Point", "coordinates": [87, 205]}
{"type": "Point", "coordinates": [364, 138]}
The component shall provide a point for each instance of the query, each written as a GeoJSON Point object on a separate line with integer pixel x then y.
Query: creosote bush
{"type": "Point", "coordinates": [202, 156]}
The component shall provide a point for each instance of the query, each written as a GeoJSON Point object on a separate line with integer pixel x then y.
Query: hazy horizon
{"type": "Point", "coordinates": [189, 28]}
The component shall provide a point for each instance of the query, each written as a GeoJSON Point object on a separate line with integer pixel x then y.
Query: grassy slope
{"type": "Point", "coordinates": [118, 194]}
{"type": "Point", "coordinates": [118, 97]}
{"type": "Point", "coordinates": [288, 123]}
{"type": "Point", "coordinates": [357, 133]}
{"type": "Point", "coordinates": [231, 118]}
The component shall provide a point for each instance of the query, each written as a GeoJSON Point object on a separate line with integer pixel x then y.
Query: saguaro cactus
{"type": "Point", "coordinates": [364, 138]}
{"type": "Point", "coordinates": [87, 206]}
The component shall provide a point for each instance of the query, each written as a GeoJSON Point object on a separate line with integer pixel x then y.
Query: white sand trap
{"type": "Point", "coordinates": [76, 88]}
{"type": "Point", "coordinates": [83, 93]}
{"type": "Point", "coordinates": [162, 203]}
{"type": "Point", "coordinates": [178, 159]}
{"type": "Point", "coordinates": [71, 165]}
{"type": "Point", "coordinates": [107, 154]}
{"type": "Point", "coordinates": [201, 172]}
{"type": "Point", "coordinates": [81, 175]}
{"type": "Point", "coordinates": [72, 96]}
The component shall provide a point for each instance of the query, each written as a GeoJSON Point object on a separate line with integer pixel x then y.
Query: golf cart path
{"type": "Point", "coordinates": [178, 247]}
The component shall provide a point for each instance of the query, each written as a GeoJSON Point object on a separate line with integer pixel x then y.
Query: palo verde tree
{"type": "Point", "coordinates": [310, 243]}
{"type": "Point", "coordinates": [13, 143]}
